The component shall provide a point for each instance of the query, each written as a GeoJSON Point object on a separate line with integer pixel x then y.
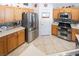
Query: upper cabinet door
{"type": "Point", "coordinates": [26, 10]}
{"type": "Point", "coordinates": [9, 14]}
{"type": "Point", "coordinates": [18, 14]}
{"type": "Point", "coordinates": [30, 10]}
{"type": "Point", "coordinates": [62, 10]}
{"type": "Point", "coordinates": [65, 10]}
{"type": "Point", "coordinates": [56, 14]}
{"type": "Point", "coordinates": [68, 10]}
{"type": "Point", "coordinates": [2, 8]}
{"type": "Point", "coordinates": [75, 14]}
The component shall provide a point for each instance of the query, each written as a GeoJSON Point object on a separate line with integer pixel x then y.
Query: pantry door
{"type": "Point", "coordinates": [44, 27]}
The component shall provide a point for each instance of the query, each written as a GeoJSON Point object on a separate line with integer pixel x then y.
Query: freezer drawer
{"type": "Point", "coordinates": [32, 35]}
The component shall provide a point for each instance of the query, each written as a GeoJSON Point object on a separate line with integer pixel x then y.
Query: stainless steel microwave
{"type": "Point", "coordinates": [65, 15]}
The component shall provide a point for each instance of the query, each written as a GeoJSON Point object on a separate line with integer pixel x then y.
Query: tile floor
{"type": "Point", "coordinates": [52, 44]}
{"type": "Point", "coordinates": [43, 45]}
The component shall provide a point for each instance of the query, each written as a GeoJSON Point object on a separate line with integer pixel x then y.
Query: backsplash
{"type": "Point", "coordinates": [10, 24]}
{"type": "Point", "coordinates": [72, 22]}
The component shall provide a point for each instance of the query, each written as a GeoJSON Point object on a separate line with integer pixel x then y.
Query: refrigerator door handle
{"type": "Point", "coordinates": [34, 22]}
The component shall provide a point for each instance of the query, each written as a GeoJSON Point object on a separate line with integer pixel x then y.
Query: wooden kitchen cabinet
{"type": "Point", "coordinates": [56, 13]}
{"type": "Point", "coordinates": [21, 37]}
{"type": "Point", "coordinates": [23, 10]}
{"type": "Point", "coordinates": [26, 10]}
{"type": "Point", "coordinates": [74, 32]}
{"type": "Point", "coordinates": [75, 14]}
{"type": "Point", "coordinates": [2, 9]}
{"type": "Point", "coordinates": [73, 11]}
{"type": "Point", "coordinates": [15, 13]}
{"type": "Point", "coordinates": [69, 10]}
{"type": "Point", "coordinates": [62, 10]}
{"type": "Point", "coordinates": [12, 41]}
{"type": "Point", "coordinates": [12, 14]}
{"type": "Point", "coordinates": [9, 14]}
{"type": "Point", "coordinates": [18, 14]}
{"type": "Point", "coordinates": [54, 30]}
{"type": "Point", "coordinates": [30, 10]}
{"type": "Point", "coordinates": [3, 46]}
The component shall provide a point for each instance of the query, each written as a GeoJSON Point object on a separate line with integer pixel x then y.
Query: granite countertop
{"type": "Point", "coordinates": [75, 26]}
{"type": "Point", "coordinates": [55, 23]}
{"type": "Point", "coordinates": [7, 32]}
{"type": "Point", "coordinates": [72, 25]}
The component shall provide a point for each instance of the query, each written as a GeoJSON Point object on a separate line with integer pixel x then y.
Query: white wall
{"type": "Point", "coordinates": [44, 20]}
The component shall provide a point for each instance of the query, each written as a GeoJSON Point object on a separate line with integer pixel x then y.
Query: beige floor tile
{"type": "Point", "coordinates": [32, 51]}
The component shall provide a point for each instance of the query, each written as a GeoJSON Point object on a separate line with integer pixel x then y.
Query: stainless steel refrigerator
{"type": "Point", "coordinates": [30, 22]}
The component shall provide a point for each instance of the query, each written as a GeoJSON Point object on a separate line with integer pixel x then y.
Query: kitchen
{"type": "Point", "coordinates": [39, 29]}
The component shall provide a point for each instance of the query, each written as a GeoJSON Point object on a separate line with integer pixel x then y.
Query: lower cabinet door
{"type": "Point", "coordinates": [54, 30]}
{"type": "Point", "coordinates": [12, 41]}
{"type": "Point", "coordinates": [3, 46]}
{"type": "Point", "coordinates": [74, 31]}
{"type": "Point", "coordinates": [21, 37]}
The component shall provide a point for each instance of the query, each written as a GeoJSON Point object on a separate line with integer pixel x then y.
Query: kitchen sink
{"type": "Point", "coordinates": [5, 29]}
